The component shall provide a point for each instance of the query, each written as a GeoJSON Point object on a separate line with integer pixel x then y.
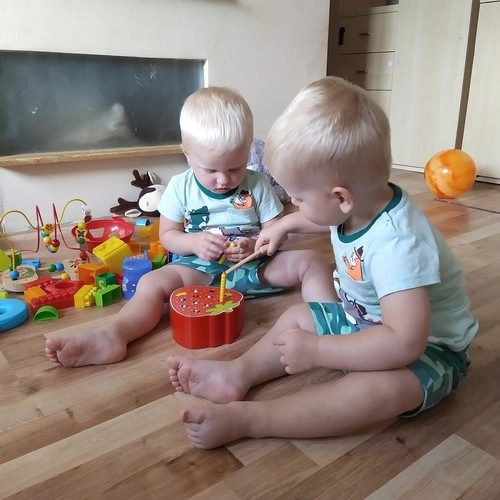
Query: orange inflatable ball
{"type": "Point", "coordinates": [450, 173]}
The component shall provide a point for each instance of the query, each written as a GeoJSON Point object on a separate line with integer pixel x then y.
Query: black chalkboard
{"type": "Point", "coordinates": [52, 102]}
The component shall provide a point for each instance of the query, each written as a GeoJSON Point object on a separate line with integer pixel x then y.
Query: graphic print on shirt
{"type": "Point", "coordinates": [356, 312]}
{"type": "Point", "coordinates": [233, 233]}
{"type": "Point", "coordinates": [242, 201]}
{"type": "Point", "coordinates": [353, 264]}
{"type": "Point", "coordinates": [197, 219]}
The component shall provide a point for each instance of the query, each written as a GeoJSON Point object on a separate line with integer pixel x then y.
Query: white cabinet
{"type": "Point", "coordinates": [362, 45]}
{"type": "Point", "coordinates": [434, 66]}
{"type": "Point", "coordinates": [482, 124]}
{"type": "Point", "coordinates": [430, 68]}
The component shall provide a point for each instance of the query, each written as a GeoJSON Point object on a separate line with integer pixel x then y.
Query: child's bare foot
{"type": "Point", "coordinates": [211, 426]}
{"type": "Point", "coordinates": [218, 381]}
{"type": "Point", "coordinates": [97, 347]}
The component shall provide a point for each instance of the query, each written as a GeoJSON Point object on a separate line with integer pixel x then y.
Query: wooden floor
{"type": "Point", "coordinates": [113, 431]}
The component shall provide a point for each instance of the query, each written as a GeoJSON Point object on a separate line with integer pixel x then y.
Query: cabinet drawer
{"type": "Point", "coordinates": [370, 71]}
{"type": "Point", "coordinates": [374, 33]}
{"type": "Point", "coordinates": [360, 7]}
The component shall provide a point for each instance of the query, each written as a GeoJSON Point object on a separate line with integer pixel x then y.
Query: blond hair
{"type": "Point", "coordinates": [218, 119]}
{"type": "Point", "coordinates": [334, 132]}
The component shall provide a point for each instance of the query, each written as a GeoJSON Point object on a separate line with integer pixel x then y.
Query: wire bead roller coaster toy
{"type": "Point", "coordinates": [208, 316]}
{"type": "Point", "coordinates": [15, 275]}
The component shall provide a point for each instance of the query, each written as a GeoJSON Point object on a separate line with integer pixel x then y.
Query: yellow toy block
{"type": "Point", "coordinates": [85, 296]}
{"type": "Point", "coordinates": [112, 252]}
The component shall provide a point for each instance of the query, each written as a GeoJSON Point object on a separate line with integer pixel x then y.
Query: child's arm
{"type": "Point", "coordinates": [399, 341]}
{"type": "Point", "coordinates": [204, 244]}
{"type": "Point", "coordinates": [275, 232]}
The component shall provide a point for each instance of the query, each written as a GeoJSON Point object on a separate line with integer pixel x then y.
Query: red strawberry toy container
{"type": "Point", "coordinates": [199, 319]}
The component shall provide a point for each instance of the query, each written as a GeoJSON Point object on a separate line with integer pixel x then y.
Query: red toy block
{"type": "Point", "coordinates": [57, 293]}
{"type": "Point", "coordinates": [33, 293]}
{"type": "Point", "coordinates": [42, 281]}
{"type": "Point", "coordinates": [199, 320]}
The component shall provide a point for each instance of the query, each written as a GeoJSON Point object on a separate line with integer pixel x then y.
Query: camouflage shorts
{"type": "Point", "coordinates": [245, 279]}
{"type": "Point", "coordinates": [439, 370]}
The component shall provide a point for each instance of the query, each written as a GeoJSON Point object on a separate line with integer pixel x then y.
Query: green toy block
{"type": "Point", "coordinates": [46, 313]}
{"type": "Point", "coordinates": [105, 279]}
{"type": "Point", "coordinates": [6, 260]}
{"type": "Point", "coordinates": [159, 261]}
{"type": "Point", "coordinates": [108, 295]}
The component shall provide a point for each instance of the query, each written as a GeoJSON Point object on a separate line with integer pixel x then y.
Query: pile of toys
{"type": "Point", "coordinates": [119, 262]}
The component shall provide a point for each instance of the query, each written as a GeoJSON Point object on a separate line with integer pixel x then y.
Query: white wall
{"type": "Point", "coordinates": [266, 49]}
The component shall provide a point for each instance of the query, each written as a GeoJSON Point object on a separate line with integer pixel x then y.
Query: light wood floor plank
{"type": "Point", "coordinates": [450, 469]}
{"type": "Point", "coordinates": [113, 431]}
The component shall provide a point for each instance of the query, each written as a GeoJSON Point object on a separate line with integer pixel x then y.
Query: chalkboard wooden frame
{"type": "Point", "coordinates": [58, 107]}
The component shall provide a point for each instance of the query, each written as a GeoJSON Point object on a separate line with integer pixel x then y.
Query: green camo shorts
{"type": "Point", "coordinates": [439, 369]}
{"type": "Point", "coordinates": [245, 279]}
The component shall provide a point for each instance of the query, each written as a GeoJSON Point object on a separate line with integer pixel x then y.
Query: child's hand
{"type": "Point", "coordinates": [209, 246]}
{"type": "Point", "coordinates": [274, 236]}
{"type": "Point", "coordinates": [298, 350]}
{"type": "Point", "coordinates": [239, 249]}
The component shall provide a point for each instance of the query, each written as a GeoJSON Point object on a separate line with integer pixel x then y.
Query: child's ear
{"type": "Point", "coordinates": [184, 152]}
{"type": "Point", "coordinates": [344, 198]}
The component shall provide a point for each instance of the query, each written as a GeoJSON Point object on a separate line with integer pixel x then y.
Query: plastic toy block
{"type": "Point", "coordinates": [112, 252]}
{"type": "Point", "coordinates": [4, 261]}
{"type": "Point", "coordinates": [103, 280]}
{"type": "Point", "coordinates": [34, 293]}
{"type": "Point", "coordinates": [154, 231]}
{"type": "Point", "coordinates": [159, 261]}
{"type": "Point", "coordinates": [36, 263]}
{"type": "Point", "coordinates": [59, 294]}
{"type": "Point", "coordinates": [46, 313]}
{"type": "Point", "coordinates": [3, 295]}
{"type": "Point", "coordinates": [144, 231]}
{"type": "Point", "coordinates": [88, 272]}
{"type": "Point", "coordinates": [42, 282]}
{"type": "Point", "coordinates": [85, 296]}
{"type": "Point", "coordinates": [17, 258]}
{"type": "Point", "coordinates": [108, 295]}
{"type": "Point", "coordinates": [159, 248]}
{"type": "Point", "coordinates": [135, 246]}
{"type": "Point", "coordinates": [156, 248]}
